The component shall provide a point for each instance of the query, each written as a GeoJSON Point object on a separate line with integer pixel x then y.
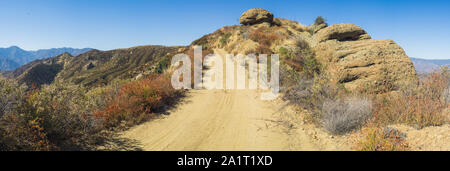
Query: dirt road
{"type": "Point", "coordinates": [224, 120]}
{"type": "Point", "coordinates": [220, 120]}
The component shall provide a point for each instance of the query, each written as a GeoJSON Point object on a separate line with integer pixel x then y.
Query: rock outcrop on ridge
{"type": "Point", "coordinates": [347, 53]}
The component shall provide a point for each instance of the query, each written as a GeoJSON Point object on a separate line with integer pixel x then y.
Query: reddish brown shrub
{"type": "Point", "coordinates": [24, 135]}
{"type": "Point", "coordinates": [139, 100]}
{"type": "Point", "coordinates": [265, 38]}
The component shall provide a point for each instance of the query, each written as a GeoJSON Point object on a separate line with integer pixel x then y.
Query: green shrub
{"type": "Point", "coordinates": [162, 65]}
{"type": "Point", "coordinates": [66, 115]}
{"type": "Point", "coordinates": [55, 117]}
{"type": "Point", "coordinates": [310, 64]}
{"type": "Point", "coordinates": [319, 20]}
{"type": "Point", "coordinates": [284, 52]}
{"type": "Point", "coordinates": [224, 38]}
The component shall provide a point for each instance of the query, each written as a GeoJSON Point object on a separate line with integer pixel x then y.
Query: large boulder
{"type": "Point", "coordinates": [367, 65]}
{"type": "Point", "coordinates": [341, 32]}
{"type": "Point", "coordinates": [351, 58]}
{"type": "Point", "coordinates": [316, 28]}
{"type": "Point", "coordinates": [256, 16]}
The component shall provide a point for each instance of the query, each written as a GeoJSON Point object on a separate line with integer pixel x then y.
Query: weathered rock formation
{"type": "Point", "coordinates": [352, 58]}
{"type": "Point", "coordinates": [256, 16]}
{"type": "Point", "coordinates": [342, 32]}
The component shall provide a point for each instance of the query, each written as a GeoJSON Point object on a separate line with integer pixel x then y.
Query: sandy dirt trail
{"type": "Point", "coordinates": [221, 120]}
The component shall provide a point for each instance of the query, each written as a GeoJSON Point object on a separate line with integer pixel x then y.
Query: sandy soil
{"type": "Point", "coordinates": [221, 120]}
{"type": "Point", "coordinates": [435, 138]}
{"type": "Point", "coordinates": [225, 120]}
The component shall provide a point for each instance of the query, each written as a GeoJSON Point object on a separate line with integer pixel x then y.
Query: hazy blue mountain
{"type": "Point", "coordinates": [16, 54]}
{"type": "Point", "coordinates": [7, 64]}
{"type": "Point", "coordinates": [14, 57]}
{"type": "Point", "coordinates": [429, 65]}
{"type": "Point", "coordinates": [45, 53]}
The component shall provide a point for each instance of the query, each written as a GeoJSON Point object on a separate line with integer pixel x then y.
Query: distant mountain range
{"type": "Point", "coordinates": [429, 65]}
{"type": "Point", "coordinates": [14, 57]}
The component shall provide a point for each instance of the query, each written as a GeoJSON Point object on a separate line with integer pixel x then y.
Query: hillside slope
{"type": "Point", "coordinates": [93, 68]}
{"type": "Point", "coordinates": [39, 72]}
{"type": "Point", "coordinates": [96, 68]}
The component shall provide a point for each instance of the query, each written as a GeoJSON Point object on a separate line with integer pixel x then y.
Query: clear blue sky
{"type": "Point", "coordinates": [422, 27]}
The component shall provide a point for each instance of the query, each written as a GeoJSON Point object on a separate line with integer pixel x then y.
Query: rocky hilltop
{"type": "Point", "coordinates": [346, 52]}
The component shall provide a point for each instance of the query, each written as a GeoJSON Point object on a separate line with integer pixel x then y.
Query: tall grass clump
{"type": "Point", "coordinates": [344, 115]}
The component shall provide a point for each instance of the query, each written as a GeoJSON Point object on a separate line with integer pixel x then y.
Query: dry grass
{"type": "Point", "coordinates": [265, 37]}
{"type": "Point", "coordinates": [293, 24]}
{"type": "Point", "coordinates": [344, 115]}
{"type": "Point", "coordinates": [378, 139]}
{"type": "Point", "coordinates": [418, 106]}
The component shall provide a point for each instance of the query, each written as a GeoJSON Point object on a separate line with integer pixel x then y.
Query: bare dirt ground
{"type": "Point", "coordinates": [435, 138]}
{"type": "Point", "coordinates": [237, 120]}
{"type": "Point", "coordinates": [226, 120]}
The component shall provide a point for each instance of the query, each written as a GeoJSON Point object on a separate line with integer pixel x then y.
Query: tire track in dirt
{"type": "Point", "coordinates": [221, 120]}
